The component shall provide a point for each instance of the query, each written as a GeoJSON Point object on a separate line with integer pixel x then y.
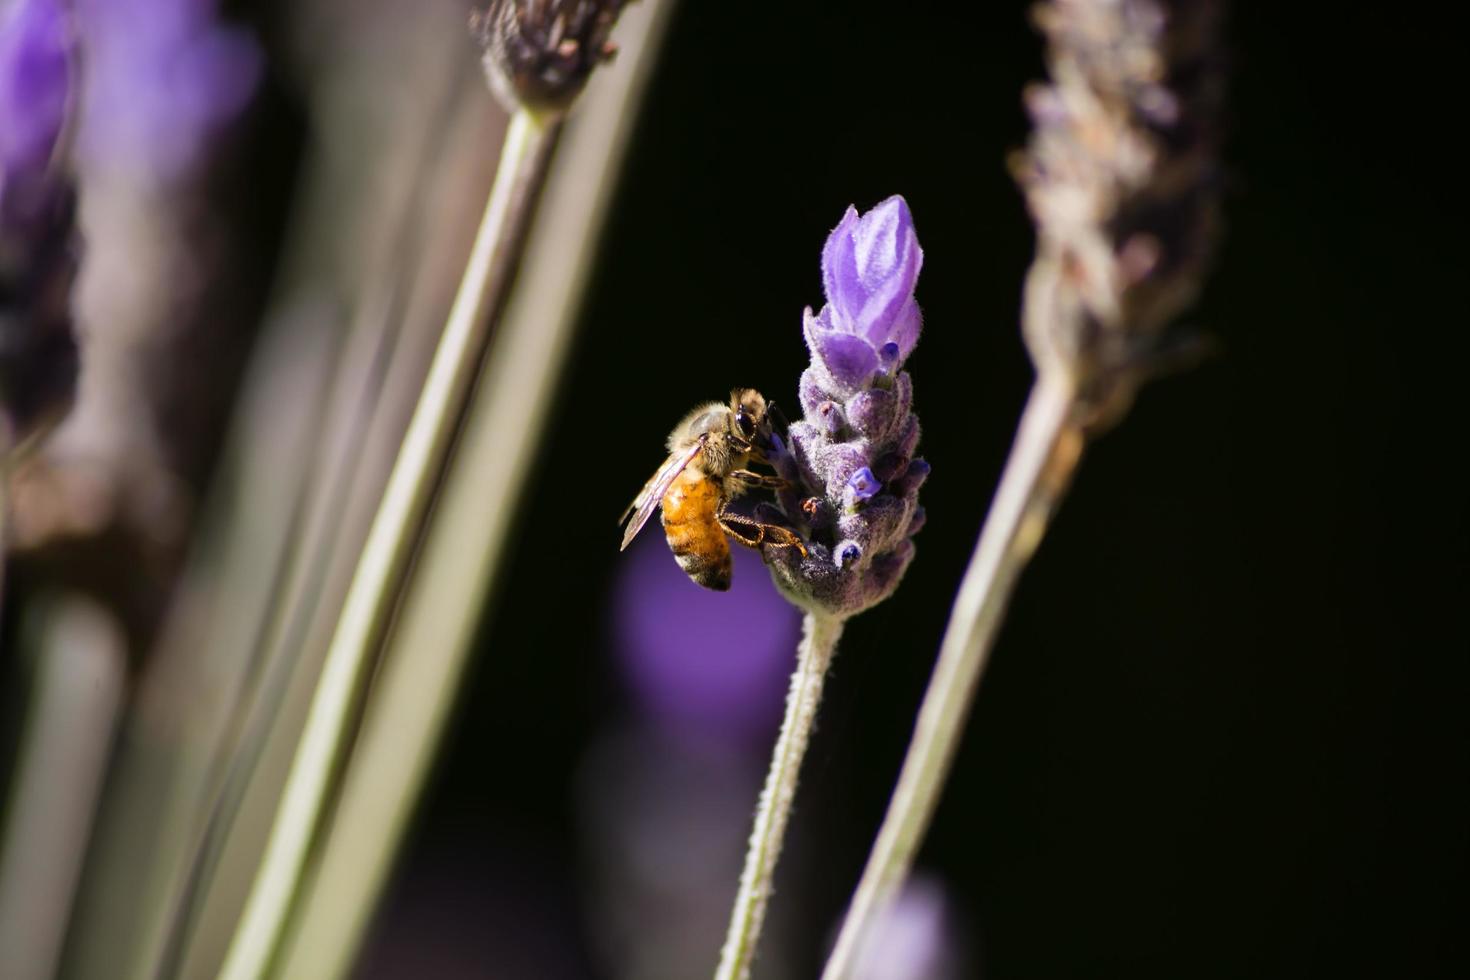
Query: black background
{"type": "Point", "coordinates": [1224, 731]}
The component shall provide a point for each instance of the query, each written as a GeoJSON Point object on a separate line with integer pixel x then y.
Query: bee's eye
{"type": "Point", "coordinates": [744, 422]}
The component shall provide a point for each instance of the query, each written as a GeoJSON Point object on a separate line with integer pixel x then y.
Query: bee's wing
{"type": "Point", "coordinates": [653, 491]}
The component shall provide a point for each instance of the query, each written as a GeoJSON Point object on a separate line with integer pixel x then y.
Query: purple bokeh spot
{"type": "Point", "coordinates": [164, 78]}
{"type": "Point", "coordinates": [706, 664]}
{"type": "Point", "coordinates": [35, 70]}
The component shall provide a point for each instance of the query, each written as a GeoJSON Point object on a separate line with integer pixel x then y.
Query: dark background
{"type": "Point", "coordinates": [1224, 732]}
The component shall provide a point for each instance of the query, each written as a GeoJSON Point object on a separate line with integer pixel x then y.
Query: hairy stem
{"type": "Point", "coordinates": [1043, 458]}
{"type": "Point", "coordinates": [818, 643]}
{"type": "Point", "coordinates": [391, 541]}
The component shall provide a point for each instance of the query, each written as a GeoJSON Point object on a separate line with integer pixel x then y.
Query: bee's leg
{"type": "Point", "coordinates": [746, 530]}
{"type": "Point", "coordinates": [755, 534]}
{"type": "Point", "coordinates": [752, 479]}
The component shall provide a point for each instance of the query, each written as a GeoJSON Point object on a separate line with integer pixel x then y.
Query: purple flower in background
{"type": "Point", "coordinates": [164, 77]}
{"type": "Point", "coordinates": [707, 664]}
{"type": "Point", "coordinates": [916, 939]}
{"type": "Point", "coordinates": [850, 463]}
{"type": "Point", "coordinates": [871, 320]}
{"type": "Point", "coordinates": [35, 88]}
{"type": "Point", "coordinates": [38, 246]}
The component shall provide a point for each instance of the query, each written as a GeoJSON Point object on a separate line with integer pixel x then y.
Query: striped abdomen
{"type": "Point", "coordinates": [695, 536]}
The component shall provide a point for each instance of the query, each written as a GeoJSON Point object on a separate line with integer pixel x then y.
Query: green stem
{"type": "Point", "coordinates": [1045, 454]}
{"type": "Point", "coordinates": [813, 657]}
{"type": "Point", "coordinates": [392, 539]}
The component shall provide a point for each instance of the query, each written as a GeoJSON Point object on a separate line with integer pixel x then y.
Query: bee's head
{"type": "Point", "coordinates": [747, 413]}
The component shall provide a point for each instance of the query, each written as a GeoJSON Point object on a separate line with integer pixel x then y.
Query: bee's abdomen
{"type": "Point", "coordinates": [695, 537]}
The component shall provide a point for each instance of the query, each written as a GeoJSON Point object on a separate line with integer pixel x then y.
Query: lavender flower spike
{"type": "Point", "coordinates": [854, 480]}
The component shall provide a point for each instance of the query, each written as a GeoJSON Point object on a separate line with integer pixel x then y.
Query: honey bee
{"type": "Point", "coordinates": [709, 452]}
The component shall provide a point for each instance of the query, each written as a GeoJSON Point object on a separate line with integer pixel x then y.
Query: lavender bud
{"type": "Point", "coordinates": [889, 567]}
{"type": "Point", "coordinates": [829, 415]}
{"type": "Point", "coordinates": [882, 518]}
{"type": "Point", "coordinates": [846, 553]}
{"type": "Point", "coordinates": [873, 412]}
{"type": "Point", "coordinates": [908, 438]}
{"type": "Point", "coordinates": [913, 478]}
{"type": "Point", "coordinates": [539, 53]}
{"type": "Point", "coordinates": [916, 521]}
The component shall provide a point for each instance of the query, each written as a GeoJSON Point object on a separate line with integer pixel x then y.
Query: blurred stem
{"type": "Point", "coordinates": [468, 549]}
{"type": "Point", "coordinates": [814, 655]}
{"type": "Point", "coordinates": [393, 538]}
{"type": "Point", "coordinates": [1047, 448]}
{"type": "Point", "coordinates": [76, 656]}
{"type": "Point", "coordinates": [4, 517]}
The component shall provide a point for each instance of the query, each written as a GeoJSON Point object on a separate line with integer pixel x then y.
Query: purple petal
{"type": "Point", "coordinates": [847, 361]}
{"type": "Point", "coordinates": [850, 361]}
{"type": "Point", "coordinates": [904, 331]}
{"type": "Point", "coordinates": [886, 259]}
{"type": "Point", "coordinates": [863, 485]}
{"type": "Point", "coordinates": [885, 246]}
{"type": "Point", "coordinates": [839, 267]}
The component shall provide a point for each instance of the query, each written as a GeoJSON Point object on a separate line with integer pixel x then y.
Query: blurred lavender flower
{"type": "Point", "coordinates": [854, 480]}
{"type": "Point", "coordinates": [35, 88]}
{"type": "Point", "coordinates": [164, 78]}
{"type": "Point", "coordinates": [724, 687]}
{"type": "Point", "coordinates": [163, 82]}
{"type": "Point", "coordinates": [917, 938]}
{"type": "Point", "coordinates": [1122, 177]}
{"type": "Point", "coordinates": [38, 251]}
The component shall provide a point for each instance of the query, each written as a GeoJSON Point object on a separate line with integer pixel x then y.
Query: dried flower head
{"type": "Point", "coordinates": [539, 53]}
{"type": "Point", "coordinates": [38, 248]}
{"type": "Point", "coordinates": [1121, 178]}
{"type": "Point", "coordinates": [850, 460]}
